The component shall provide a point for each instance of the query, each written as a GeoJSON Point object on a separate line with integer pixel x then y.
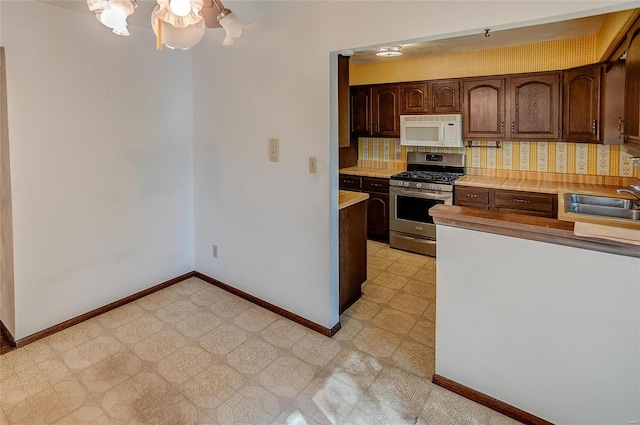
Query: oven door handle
{"type": "Point", "coordinates": [421, 194]}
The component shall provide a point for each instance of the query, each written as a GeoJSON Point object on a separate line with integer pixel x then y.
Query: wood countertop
{"type": "Point", "coordinates": [528, 227]}
{"type": "Point", "coordinates": [560, 188]}
{"type": "Point", "coordinates": [382, 173]}
{"type": "Point", "coordinates": [347, 198]}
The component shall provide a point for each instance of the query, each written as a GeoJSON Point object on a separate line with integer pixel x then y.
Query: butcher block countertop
{"type": "Point", "coordinates": [382, 173]}
{"type": "Point", "coordinates": [347, 198]}
{"type": "Point", "coordinates": [560, 188]}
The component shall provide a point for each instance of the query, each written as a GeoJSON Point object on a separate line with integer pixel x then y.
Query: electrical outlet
{"type": "Point", "coordinates": [274, 150]}
{"type": "Point", "coordinates": [313, 164]}
{"type": "Point", "coordinates": [214, 251]}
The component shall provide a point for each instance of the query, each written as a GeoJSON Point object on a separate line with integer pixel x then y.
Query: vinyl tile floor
{"type": "Point", "coordinates": [195, 354]}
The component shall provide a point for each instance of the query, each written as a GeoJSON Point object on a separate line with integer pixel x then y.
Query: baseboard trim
{"type": "Point", "coordinates": [271, 307]}
{"type": "Point", "coordinates": [490, 402]}
{"type": "Point", "coordinates": [93, 313]}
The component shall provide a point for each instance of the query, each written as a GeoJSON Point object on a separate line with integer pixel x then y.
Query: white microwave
{"type": "Point", "coordinates": [431, 130]}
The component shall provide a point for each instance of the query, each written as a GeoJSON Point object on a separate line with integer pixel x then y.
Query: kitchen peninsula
{"type": "Point", "coordinates": [353, 245]}
{"type": "Point", "coordinates": [540, 320]}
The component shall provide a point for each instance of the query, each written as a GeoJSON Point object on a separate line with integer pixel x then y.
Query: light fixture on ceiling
{"type": "Point", "coordinates": [178, 24]}
{"type": "Point", "coordinates": [389, 51]}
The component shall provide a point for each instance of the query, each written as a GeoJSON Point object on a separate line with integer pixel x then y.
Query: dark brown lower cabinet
{"type": "Point", "coordinates": [529, 203]}
{"type": "Point", "coordinates": [377, 204]}
{"type": "Point", "coordinates": [353, 253]}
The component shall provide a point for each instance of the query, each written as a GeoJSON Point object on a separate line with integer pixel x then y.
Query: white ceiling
{"type": "Point", "coordinates": [512, 37]}
{"type": "Point", "coordinates": [248, 11]}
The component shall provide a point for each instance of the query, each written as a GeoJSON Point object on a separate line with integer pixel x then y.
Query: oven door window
{"type": "Point", "coordinates": [415, 209]}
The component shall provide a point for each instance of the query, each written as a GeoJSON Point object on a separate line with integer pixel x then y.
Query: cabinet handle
{"type": "Point", "coordinates": [521, 201]}
{"type": "Point", "coordinates": [513, 127]}
{"type": "Point", "coordinates": [471, 195]}
{"type": "Point", "coordinates": [368, 125]}
{"type": "Point", "coordinates": [376, 128]}
{"type": "Point", "coordinates": [434, 103]}
{"type": "Point", "coordinates": [502, 127]}
{"type": "Point", "coordinates": [594, 127]}
{"type": "Point", "coordinates": [620, 127]}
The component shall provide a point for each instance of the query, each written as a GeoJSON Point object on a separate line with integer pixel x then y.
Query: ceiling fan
{"type": "Point", "coordinates": [178, 24]}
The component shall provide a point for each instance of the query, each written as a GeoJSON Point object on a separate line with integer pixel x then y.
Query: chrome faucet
{"type": "Point", "coordinates": [635, 191]}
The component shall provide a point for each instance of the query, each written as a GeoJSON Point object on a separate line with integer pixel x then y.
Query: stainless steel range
{"type": "Point", "coordinates": [428, 181]}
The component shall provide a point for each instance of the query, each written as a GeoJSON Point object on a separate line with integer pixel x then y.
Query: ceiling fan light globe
{"type": "Point", "coordinates": [114, 17]}
{"type": "Point", "coordinates": [181, 7]}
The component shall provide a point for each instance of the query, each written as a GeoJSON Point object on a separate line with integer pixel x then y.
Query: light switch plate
{"type": "Point", "coordinates": [274, 150]}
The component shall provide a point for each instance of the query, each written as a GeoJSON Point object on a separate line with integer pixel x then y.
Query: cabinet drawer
{"type": "Point", "coordinates": [375, 185]}
{"type": "Point", "coordinates": [542, 202]}
{"type": "Point", "coordinates": [471, 195]}
{"type": "Point", "coordinates": [350, 182]}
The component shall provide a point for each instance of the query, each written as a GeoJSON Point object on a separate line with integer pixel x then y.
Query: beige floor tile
{"type": "Point", "coordinates": [157, 300]}
{"type": "Point", "coordinates": [409, 303]}
{"type": "Point", "coordinates": [121, 316]}
{"type": "Point", "coordinates": [139, 329]}
{"type": "Point", "coordinates": [135, 395]}
{"type": "Point", "coordinates": [176, 311]}
{"type": "Point", "coordinates": [223, 339]}
{"type": "Point", "coordinates": [91, 352]}
{"type": "Point", "coordinates": [378, 263]}
{"type": "Point", "coordinates": [184, 364]}
{"type": "Point", "coordinates": [110, 372]}
{"type": "Point", "coordinates": [190, 286]}
{"type": "Point", "coordinates": [195, 354]}
{"type": "Point", "coordinates": [198, 324]}
{"type": "Point", "coordinates": [283, 333]}
{"type": "Point", "coordinates": [159, 345]}
{"type": "Point", "coordinates": [252, 357]}
{"type": "Point", "coordinates": [363, 309]}
{"type": "Point", "coordinates": [316, 349]}
{"type": "Point", "coordinates": [254, 319]}
{"type": "Point", "coordinates": [286, 376]}
{"type": "Point", "coordinates": [377, 342]}
{"type": "Point", "coordinates": [394, 321]}
{"type": "Point", "coordinates": [373, 292]}
{"type": "Point", "coordinates": [390, 280]}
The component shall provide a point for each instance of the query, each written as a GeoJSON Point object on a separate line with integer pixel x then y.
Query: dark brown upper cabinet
{"type": "Point", "coordinates": [360, 110]}
{"type": "Point", "coordinates": [581, 104]}
{"type": "Point", "coordinates": [483, 109]}
{"type": "Point", "coordinates": [375, 110]}
{"type": "Point", "coordinates": [534, 107]}
{"type": "Point", "coordinates": [386, 115]}
{"type": "Point", "coordinates": [632, 88]}
{"type": "Point", "coordinates": [430, 97]}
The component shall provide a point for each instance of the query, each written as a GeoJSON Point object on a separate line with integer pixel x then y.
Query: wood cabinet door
{"type": "Point", "coordinates": [360, 110]}
{"type": "Point", "coordinates": [581, 101]}
{"type": "Point", "coordinates": [414, 98]}
{"type": "Point", "coordinates": [378, 216]}
{"type": "Point", "coordinates": [445, 97]}
{"type": "Point", "coordinates": [534, 107]}
{"type": "Point", "coordinates": [632, 88]}
{"type": "Point", "coordinates": [483, 106]}
{"type": "Point", "coordinates": [386, 116]}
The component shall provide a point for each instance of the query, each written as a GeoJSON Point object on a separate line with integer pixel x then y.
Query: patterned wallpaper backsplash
{"type": "Point", "coordinates": [551, 157]}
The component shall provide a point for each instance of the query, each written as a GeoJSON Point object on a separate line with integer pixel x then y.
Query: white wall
{"type": "Point", "coordinates": [101, 162]}
{"type": "Point", "coordinates": [274, 223]}
{"type": "Point", "coordinates": [550, 329]}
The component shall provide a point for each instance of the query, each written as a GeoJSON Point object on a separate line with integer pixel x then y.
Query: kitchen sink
{"type": "Point", "coordinates": [602, 206]}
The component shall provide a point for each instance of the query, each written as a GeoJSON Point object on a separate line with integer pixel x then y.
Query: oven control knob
{"type": "Point", "coordinates": [418, 185]}
{"type": "Point", "coordinates": [406, 184]}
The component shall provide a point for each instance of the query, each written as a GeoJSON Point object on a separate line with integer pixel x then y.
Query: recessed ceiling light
{"type": "Point", "coordinates": [389, 51]}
